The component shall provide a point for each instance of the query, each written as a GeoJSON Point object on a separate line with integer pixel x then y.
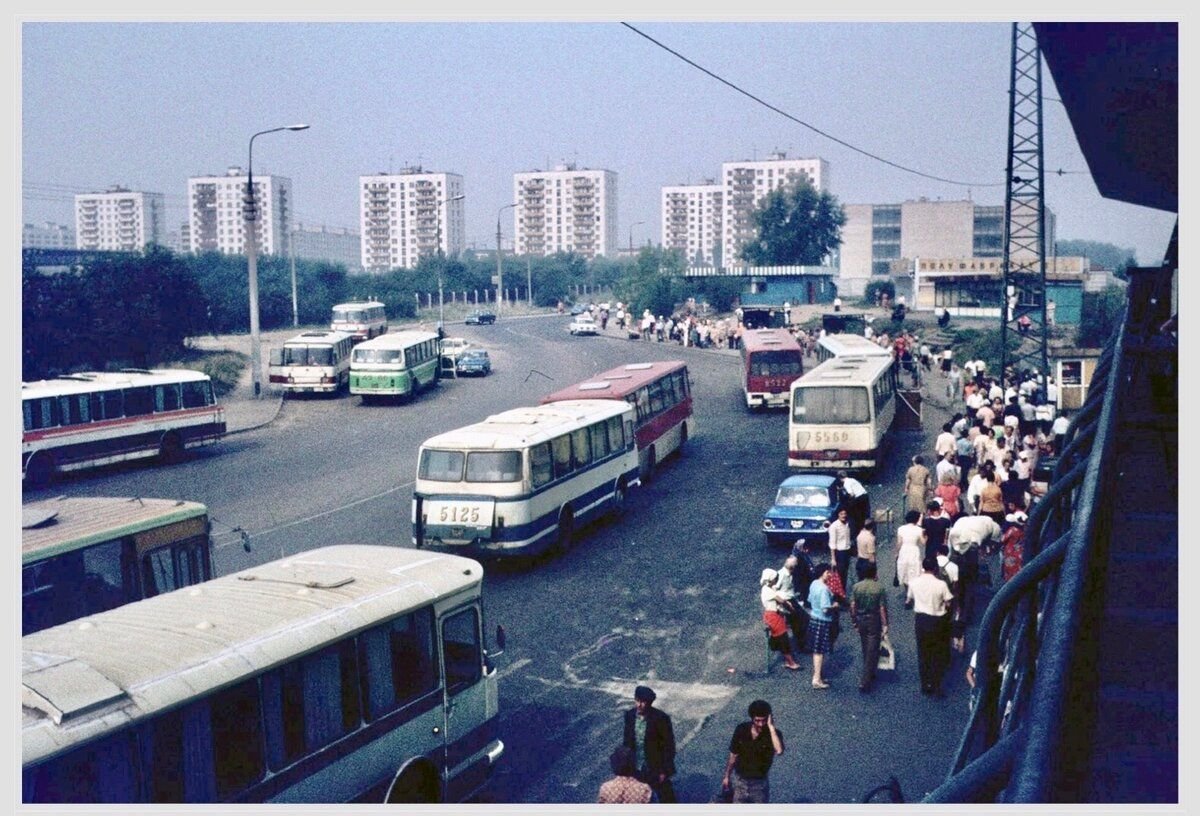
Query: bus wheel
{"type": "Point", "coordinates": [416, 785]}
{"type": "Point", "coordinates": [566, 531]}
{"type": "Point", "coordinates": [170, 450]}
{"type": "Point", "coordinates": [648, 466]}
{"type": "Point", "coordinates": [618, 499]}
{"type": "Point", "coordinates": [39, 470]}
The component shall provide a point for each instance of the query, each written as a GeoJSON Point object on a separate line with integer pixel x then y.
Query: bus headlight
{"type": "Point", "coordinates": [802, 439]}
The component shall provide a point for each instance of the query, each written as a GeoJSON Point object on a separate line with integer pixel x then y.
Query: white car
{"type": "Point", "coordinates": [583, 324]}
{"type": "Point", "coordinates": [452, 347]}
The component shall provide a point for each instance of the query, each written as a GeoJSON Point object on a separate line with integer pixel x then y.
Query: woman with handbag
{"type": "Point", "coordinates": [773, 617]}
{"type": "Point", "coordinates": [822, 608]}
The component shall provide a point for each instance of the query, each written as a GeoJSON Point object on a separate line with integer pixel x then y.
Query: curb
{"type": "Point", "coordinates": [274, 416]}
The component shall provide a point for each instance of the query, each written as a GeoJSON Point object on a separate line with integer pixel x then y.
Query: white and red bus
{"type": "Point", "coordinates": [771, 361]}
{"type": "Point", "coordinates": [362, 320]}
{"type": "Point", "coordinates": [93, 418]}
{"type": "Point", "coordinates": [661, 393]}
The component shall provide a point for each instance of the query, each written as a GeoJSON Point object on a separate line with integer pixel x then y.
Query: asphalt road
{"type": "Point", "coordinates": [667, 596]}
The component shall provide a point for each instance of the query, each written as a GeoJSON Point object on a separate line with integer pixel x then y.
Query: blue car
{"type": "Point", "coordinates": [802, 511]}
{"type": "Point", "coordinates": [474, 361]}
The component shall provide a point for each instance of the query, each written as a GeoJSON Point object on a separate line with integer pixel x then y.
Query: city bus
{"type": "Point", "coordinates": [85, 555]}
{"type": "Point", "coordinates": [840, 414]}
{"type": "Point", "coordinates": [848, 345]}
{"type": "Point", "coordinates": [394, 365]}
{"type": "Point", "coordinates": [344, 673]}
{"type": "Point", "coordinates": [312, 362]}
{"type": "Point", "coordinates": [94, 418]}
{"type": "Point", "coordinates": [771, 361]}
{"type": "Point", "coordinates": [661, 395]}
{"type": "Point", "coordinates": [522, 481]}
{"type": "Point", "coordinates": [362, 320]}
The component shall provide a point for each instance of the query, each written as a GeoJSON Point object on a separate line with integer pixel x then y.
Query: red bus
{"type": "Point", "coordinates": [661, 393]}
{"type": "Point", "coordinates": [771, 361]}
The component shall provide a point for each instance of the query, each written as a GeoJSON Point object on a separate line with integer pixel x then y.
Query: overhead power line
{"type": "Point", "coordinates": [813, 128]}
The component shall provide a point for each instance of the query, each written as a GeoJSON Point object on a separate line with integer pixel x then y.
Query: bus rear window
{"type": "Point", "coordinates": [774, 363]}
{"type": "Point", "coordinates": [441, 466]}
{"type": "Point", "coordinates": [830, 406]}
{"type": "Point", "coordinates": [493, 466]}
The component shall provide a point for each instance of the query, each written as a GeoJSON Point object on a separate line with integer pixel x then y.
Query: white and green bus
{"type": "Point", "coordinates": [525, 480]}
{"type": "Point", "coordinates": [394, 365]}
{"type": "Point", "coordinates": [312, 362]}
{"type": "Point", "coordinates": [345, 673]}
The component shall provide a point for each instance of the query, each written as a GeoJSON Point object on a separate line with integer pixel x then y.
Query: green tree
{"type": "Point", "coordinates": [795, 225]}
{"type": "Point", "coordinates": [1100, 255]}
{"type": "Point", "coordinates": [1100, 317]}
{"type": "Point", "coordinates": [654, 282]}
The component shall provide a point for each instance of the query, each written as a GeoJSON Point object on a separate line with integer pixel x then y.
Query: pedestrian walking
{"type": "Point", "coordinates": [931, 599]}
{"type": "Point", "coordinates": [822, 608]}
{"type": "Point", "coordinates": [774, 617]}
{"type": "Point", "coordinates": [868, 612]}
{"type": "Point", "coordinates": [624, 788]}
{"type": "Point", "coordinates": [910, 544]}
{"type": "Point", "coordinates": [839, 544]}
{"type": "Point", "coordinates": [1012, 545]}
{"type": "Point", "coordinates": [866, 542]}
{"type": "Point", "coordinates": [648, 733]}
{"type": "Point", "coordinates": [968, 536]}
{"type": "Point", "coordinates": [752, 749]}
{"type": "Point", "coordinates": [918, 484]}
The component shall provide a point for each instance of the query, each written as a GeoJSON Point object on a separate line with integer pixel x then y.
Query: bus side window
{"type": "Point", "coordinates": [541, 465]}
{"type": "Point", "coordinates": [104, 583]}
{"type": "Point", "coordinates": [581, 448]}
{"type": "Point", "coordinates": [166, 398]}
{"type": "Point", "coordinates": [461, 650]}
{"type": "Point", "coordinates": [561, 447]}
{"type": "Point", "coordinates": [98, 772]}
{"type": "Point", "coordinates": [656, 397]}
{"type": "Point", "coordinates": [108, 404]}
{"type": "Point", "coordinates": [235, 719]}
{"type": "Point", "coordinates": [616, 434]}
{"type": "Point", "coordinates": [599, 440]}
{"type": "Point", "coordinates": [138, 401]}
{"type": "Point", "coordinates": [644, 409]}
{"type": "Point", "coordinates": [398, 663]}
{"type": "Point", "coordinates": [158, 572]}
{"type": "Point", "coordinates": [195, 394]}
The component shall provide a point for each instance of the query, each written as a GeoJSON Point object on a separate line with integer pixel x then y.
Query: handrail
{"type": "Point", "coordinates": [1013, 736]}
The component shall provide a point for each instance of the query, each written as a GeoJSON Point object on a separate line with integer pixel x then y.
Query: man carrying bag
{"type": "Point", "coordinates": [868, 611]}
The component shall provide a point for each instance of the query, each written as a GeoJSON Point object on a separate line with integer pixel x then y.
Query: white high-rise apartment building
{"type": "Point", "coordinates": [691, 221]}
{"type": "Point", "coordinates": [216, 215]}
{"type": "Point", "coordinates": [566, 209]}
{"type": "Point", "coordinates": [119, 220]}
{"type": "Point", "coordinates": [746, 183]}
{"type": "Point", "coordinates": [407, 215]}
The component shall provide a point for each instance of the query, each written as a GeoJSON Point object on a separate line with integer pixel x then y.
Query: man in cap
{"type": "Point", "coordinates": [649, 734]}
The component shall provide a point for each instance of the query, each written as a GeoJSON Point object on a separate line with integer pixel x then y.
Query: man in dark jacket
{"type": "Point", "coordinates": [649, 733]}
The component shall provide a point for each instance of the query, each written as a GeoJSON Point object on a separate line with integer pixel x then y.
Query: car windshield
{"type": "Point", "coordinates": [802, 497]}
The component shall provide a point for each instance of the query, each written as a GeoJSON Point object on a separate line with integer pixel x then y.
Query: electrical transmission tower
{"type": "Point", "coordinates": [1024, 332]}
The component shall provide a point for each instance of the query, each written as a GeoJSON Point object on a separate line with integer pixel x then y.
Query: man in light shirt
{"type": "Point", "coordinates": [931, 599]}
{"type": "Point", "coordinates": [839, 545]}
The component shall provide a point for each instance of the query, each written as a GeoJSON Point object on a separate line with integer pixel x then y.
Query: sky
{"type": "Point", "coordinates": [146, 105]}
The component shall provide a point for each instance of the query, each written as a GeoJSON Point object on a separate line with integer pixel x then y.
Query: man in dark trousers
{"type": "Point", "coordinates": [649, 733]}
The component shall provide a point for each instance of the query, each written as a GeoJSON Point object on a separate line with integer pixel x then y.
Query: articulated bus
{"type": "Point", "coordinates": [94, 418]}
{"type": "Point", "coordinates": [361, 320]}
{"type": "Point", "coordinates": [840, 415]}
{"type": "Point", "coordinates": [312, 362]}
{"type": "Point", "coordinates": [522, 481]}
{"type": "Point", "coordinates": [344, 673]}
{"type": "Point", "coordinates": [80, 556]}
{"type": "Point", "coordinates": [771, 361]}
{"type": "Point", "coordinates": [661, 394]}
{"type": "Point", "coordinates": [394, 365]}
{"type": "Point", "coordinates": [848, 345]}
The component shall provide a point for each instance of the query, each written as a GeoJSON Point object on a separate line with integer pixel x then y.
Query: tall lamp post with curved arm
{"type": "Point", "coordinates": [251, 215]}
{"type": "Point", "coordinates": [441, 260]}
{"type": "Point", "coordinates": [631, 226]}
{"type": "Point", "coordinates": [499, 270]}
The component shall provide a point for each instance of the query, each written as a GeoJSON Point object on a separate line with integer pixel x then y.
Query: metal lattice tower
{"type": "Point", "coordinates": [1024, 266]}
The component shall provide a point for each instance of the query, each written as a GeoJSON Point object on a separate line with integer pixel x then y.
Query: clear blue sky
{"type": "Point", "coordinates": [146, 105]}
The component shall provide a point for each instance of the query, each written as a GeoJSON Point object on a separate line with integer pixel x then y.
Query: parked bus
{"type": "Point", "coordinates": [345, 673]}
{"type": "Point", "coordinates": [660, 392]}
{"type": "Point", "coordinates": [93, 418]}
{"type": "Point", "coordinates": [841, 412]}
{"type": "Point", "coordinates": [362, 320]}
{"type": "Point", "coordinates": [771, 361]}
{"type": "Point", "coordinates": [523, 480]}
{"type": "Point", "coordinates": [848, 345]}
{"type": "Point", "coordinates": [394, 365]}
{"type": "Point", "coordinates": [312, 362]}
{"type": "Point", "coordinates": [80, 556]}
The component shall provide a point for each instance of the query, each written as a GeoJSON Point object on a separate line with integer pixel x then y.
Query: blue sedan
{"type": "Point", "coordinates": [802, 510]}
{"type": "Point", "coordinates": [474, 361]}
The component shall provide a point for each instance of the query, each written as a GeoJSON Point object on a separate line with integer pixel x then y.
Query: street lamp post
{"type": "Point", "coordinates": [251, 215]}
{"type": "Point", "coordinates": [499, 269]}
{"type": "Point", "coordinates": [631, 226]}
{"type": "Point", "coordinates": [441, 262]}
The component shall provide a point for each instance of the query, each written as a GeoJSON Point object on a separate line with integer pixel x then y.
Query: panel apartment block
{"type": "Point", "coordinates": [691, 221]}
{"type": "Point", "coordinates": [566, 209]}
{"type": "Point", "coordinates": [746, 183]}
{"type": "Point", "coordinates": [119, 220]}
{"type": "Point", "coordinates": [333, 244]}
{"type": "Point", "coordinates": [216, 216]}
{"type": "Point", "coordinates": [407, 215]}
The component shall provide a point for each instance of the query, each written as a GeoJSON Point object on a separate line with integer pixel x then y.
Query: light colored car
{"type": "Point", "coordinates": [452, 347]}
{"type": "Point", "coordinates": [583, 324]}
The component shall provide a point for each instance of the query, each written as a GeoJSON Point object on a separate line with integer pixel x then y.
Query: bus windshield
{"type": "Point", "coordinates": [362, 355]}
{"type": "Point", "coordinates": [349, 315]}
{"type": "Point", "coordinates": [307, 355]}
{"type": "Point", "coordinates": [831, 406]}
{"type": "Point", "coordinates": [481, 466]}
{"type": "Point", "coordinates": [774, 363]}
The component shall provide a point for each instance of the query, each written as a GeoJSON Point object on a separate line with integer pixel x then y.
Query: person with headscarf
{"type": "Point", "coordinates": [775, 617]}
{"type": "Point", "coordinates": [624, 788]}
{"type": "Point", "coordinates": [1012, 545]}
